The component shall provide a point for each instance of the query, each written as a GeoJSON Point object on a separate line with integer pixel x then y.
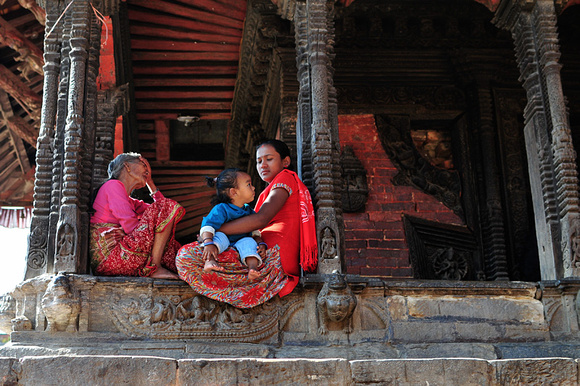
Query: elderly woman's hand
{"type": "Point", "coordinates": [149, 182]}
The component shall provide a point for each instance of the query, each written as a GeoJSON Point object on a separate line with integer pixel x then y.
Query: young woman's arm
{"type": "Point", "coordinates": [274, 202]}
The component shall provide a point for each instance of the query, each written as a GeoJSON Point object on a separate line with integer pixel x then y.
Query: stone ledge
{"type": "Point", "coordinates": [148, 370]}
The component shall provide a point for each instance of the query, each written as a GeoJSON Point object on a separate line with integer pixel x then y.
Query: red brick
{"type": "Point", "coordinates": [353, 270]}
{"type": "Point", "coordinates": [399, 206]}
{"type": "Point", "coordinates": [403, 272]}
{"type": "Point", "coordinates": [374, 271]}
{"type": "Point", "coordinates": [355, 244]}
{"type": "Point", "coordinates": [356, 262]}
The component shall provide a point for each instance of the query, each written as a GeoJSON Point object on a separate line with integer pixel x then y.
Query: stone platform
{"type": "Point", "coordinates": [141, 370]}
{"type": "Point", "coordinates": [369, 332]}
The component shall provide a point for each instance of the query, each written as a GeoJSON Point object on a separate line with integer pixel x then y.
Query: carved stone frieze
{"type": "Point", "coordinates": [192, 317]}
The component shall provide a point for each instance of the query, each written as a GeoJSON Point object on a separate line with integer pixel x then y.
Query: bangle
{"type": "Point", "coordinates": [263, 243]}
{"type": "Point", "coordinates": [208, 238]}
{"type": "Point", "coordinates": [208, 243]}
{"type": "Point", "coordinates": [154, 193]}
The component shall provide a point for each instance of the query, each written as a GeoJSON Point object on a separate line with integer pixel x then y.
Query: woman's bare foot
{"type": "Point", "coordinates": [212, 265]}
{"type": "Point", "coordinates": [253, 274]}
{"type": "Point", "coordinates": [162, 273]}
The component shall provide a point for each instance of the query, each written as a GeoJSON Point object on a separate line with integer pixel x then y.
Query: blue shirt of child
{"type": "Point", "coordinates": [222, 213]}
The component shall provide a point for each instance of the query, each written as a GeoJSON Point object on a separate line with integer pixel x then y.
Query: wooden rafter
{"type": "Point", "coordinates": [38, 12]}
{"type": "Point", "coordinates": [14, 86]}
{"type": "Point", "coordinates": [188, 12]}
{"type": "Point", "coordinates": [172, 33]}
{"type": "Point", "coordinates": [181, 23]}
{"type": "Point", "coordinates": [28, 51]}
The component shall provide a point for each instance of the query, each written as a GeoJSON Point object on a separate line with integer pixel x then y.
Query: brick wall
{"type": "Point", "coordinates": [375, 239]}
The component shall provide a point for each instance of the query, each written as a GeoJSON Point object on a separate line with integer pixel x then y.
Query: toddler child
{"type": "Point", "coordinates": [234, 191]}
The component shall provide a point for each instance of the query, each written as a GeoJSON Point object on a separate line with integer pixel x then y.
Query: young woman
{"type": "Point", "coordinates": [285, 217]}
{"type": "Point", "coordinates": [130, 237]}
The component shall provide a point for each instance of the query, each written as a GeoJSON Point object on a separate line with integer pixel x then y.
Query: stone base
{"type": "Point", "coordinates": [88, 315]}
{"type": "Point", "coordinates": [74, 370]}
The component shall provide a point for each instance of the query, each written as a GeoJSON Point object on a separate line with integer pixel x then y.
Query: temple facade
{"type": "Point", "coordinates": [437, 139]}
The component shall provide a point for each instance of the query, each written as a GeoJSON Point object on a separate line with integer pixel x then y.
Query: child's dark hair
{"type": "Point", "coordinates": [225, 181]}
{"type": "Point", "coordinates": [280, 147]}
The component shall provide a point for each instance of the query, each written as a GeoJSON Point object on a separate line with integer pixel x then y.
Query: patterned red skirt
{"type": "Point", "coordinates": [113, 253]}
{"type": "Point", "coordinates": [231, 286]}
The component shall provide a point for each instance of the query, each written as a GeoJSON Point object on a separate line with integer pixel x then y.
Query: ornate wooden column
{"type": "Point", "coordinates": [551, 156]}
{"type": "Point", "coordinates": [493, 229]}
{"type": "Point", "coordinates": [66, 144]}
{"type": "Point", "coordinates": [317, 127]}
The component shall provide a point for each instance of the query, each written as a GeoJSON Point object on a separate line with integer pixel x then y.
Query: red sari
{"type": "Point", "coordinates": [114, 253]}
{"type": "Point", "coordinates": [281, 270]}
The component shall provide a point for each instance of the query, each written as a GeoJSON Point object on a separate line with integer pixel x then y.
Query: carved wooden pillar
{"type": "Point", "coordinates": [493, 229]}
{"type": "Point", "coordinates": [111, 104]}
{"type": "Point", "coordinates": [304, 115]}
{"type": "Point", "coordinates": [319, 137]}
{"type": "Point", "coordinates": [37, 257]}
{"type": "Point", "coordinates": [66, 144]}
{"type": "Point", "coordinates": [551, 156]}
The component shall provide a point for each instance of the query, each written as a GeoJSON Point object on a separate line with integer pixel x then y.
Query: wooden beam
{"type": "Point", "coordinates": [236, 4]}
{"type": "Point", "coordinates": [173, 45]}
{"type": "Point", "coordinates": [185, 70]}
{"type": "Point", "coordinates": [28, 51]}
{"type": "Point", "coordinates": [179, 105]}
{"type": "Point", "coordinates": [186, 82]}
{"type": "Point", "coordinates": [38, 12]}
{"type": "Point", "coordinates": [202, 115]}
{"type": "Point", "coordinates": [173, 34]}
{"type": "Point", "coordinates": [22, 129]}
{"type": "Point", "coordinates": [181, 23]}
{"type": "Point", "coordinates": [14, 86]}
{"type": "Point", "coordinates": [184, 56]}
{"type": "Point", "coordinates": [184, 94]}
{"type": "Point", "coordinates": [188, 12]}
{"type": "Point", "coordinates": [219, 8]}
{"type": "Point", "coordinates": [162, 145]}
{"type": "Point", "coordinates": [187, 164]}
{"type": "Point", "coordinates": [19, 150]}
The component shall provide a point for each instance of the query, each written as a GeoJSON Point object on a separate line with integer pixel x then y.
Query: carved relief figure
{"type": "Point", "coordinates": [61, 305]}
{"type": "Point", "coordinates": [335, 304]}
{"type": "Point", "coordinates": [66, 241]}
{"type": "Point", "coordinates": [328, 244]}
{"type": "Point", "coordinates": [449, 265]}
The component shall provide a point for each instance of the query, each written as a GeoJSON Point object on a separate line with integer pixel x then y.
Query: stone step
{"type": "Point", "coordinates": [64, 370]}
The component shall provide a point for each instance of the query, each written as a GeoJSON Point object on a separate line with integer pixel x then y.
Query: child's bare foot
{"type": "Point", "coordinates": [253, 274]}
{"type": "Point", "coordinates": [162, 273]}
{"type": "Point", "coordinates": [212, 265]}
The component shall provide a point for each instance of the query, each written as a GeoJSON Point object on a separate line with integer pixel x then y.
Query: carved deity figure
{"type": "Point", "coordinates": [449, 265]}
{"type": "Point", "coordinates": [66, 241]}
{"type": "Point", "coordinates": [335, 303]}
{"type": "Point", "coordinates": [61, 305]}
{"type": "Point", "coordinates": [328, 245]}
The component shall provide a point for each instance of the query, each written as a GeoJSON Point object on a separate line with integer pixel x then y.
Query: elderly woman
{"type": "Point", "coordinates": [130, 237]}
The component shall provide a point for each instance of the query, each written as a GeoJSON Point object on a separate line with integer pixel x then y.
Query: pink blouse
{"type": "Point", "coordinates": [113, 205]}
